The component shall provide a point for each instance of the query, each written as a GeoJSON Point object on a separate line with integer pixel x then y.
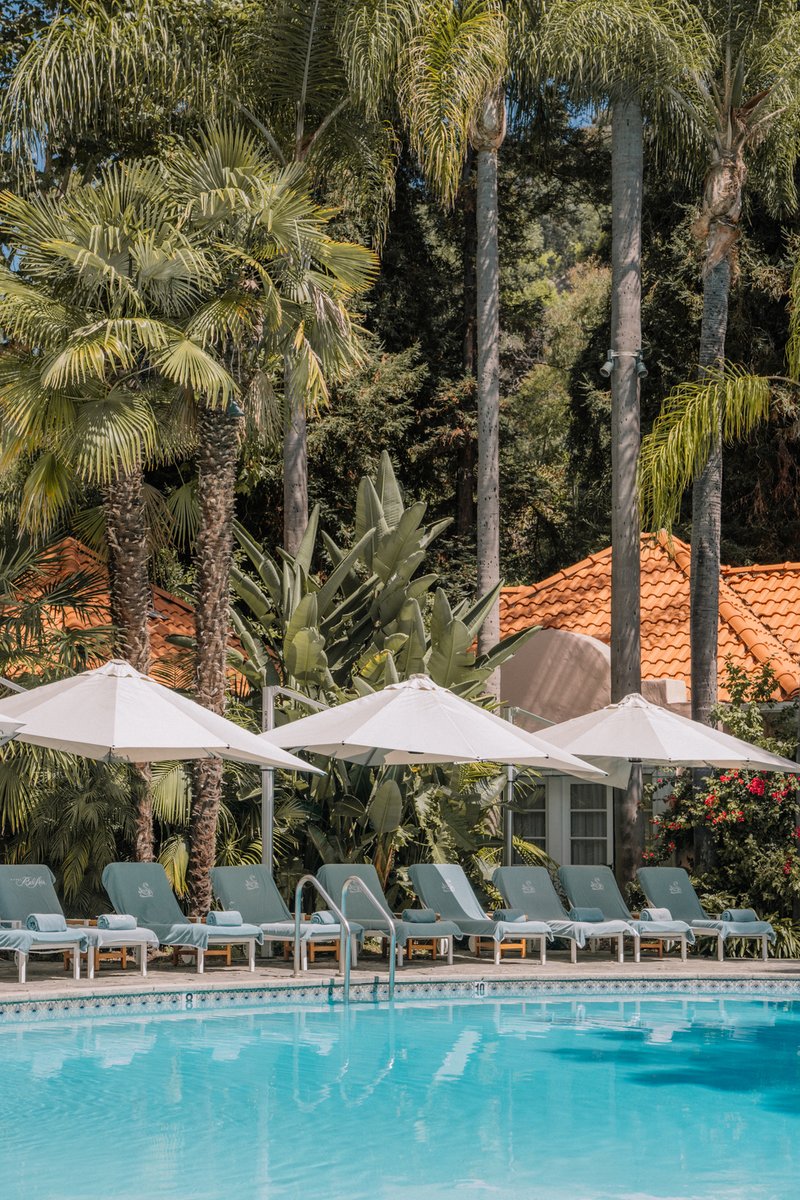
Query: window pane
{"type": "Point", "coordinates": [531, 826]}
{"type": "Point", "coordinates": [589, 853]}
{"type": "Point", "coordinates": [587, 795]}
{"type": "Point", "coordinates": [588, 824]}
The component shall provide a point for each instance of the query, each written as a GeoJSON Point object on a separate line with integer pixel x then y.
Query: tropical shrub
{"type": "Point", "coordinates": [747, 820]}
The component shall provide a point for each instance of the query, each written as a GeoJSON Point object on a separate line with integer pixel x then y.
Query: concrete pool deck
{"type": "Point", "coordinates": [48, 980]}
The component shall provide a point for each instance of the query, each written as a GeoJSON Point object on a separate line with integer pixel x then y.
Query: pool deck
{"type": "Point", "coordinates": [47, 979]}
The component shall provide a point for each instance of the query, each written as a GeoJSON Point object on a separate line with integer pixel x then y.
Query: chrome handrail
{"type": "Point", "coordinates": [344, 943]}
{"type": "Point", "coordinates": [360, 886]}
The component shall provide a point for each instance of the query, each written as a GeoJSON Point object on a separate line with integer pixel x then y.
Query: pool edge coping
{"type": "Point", "coordinates": [218, 997]}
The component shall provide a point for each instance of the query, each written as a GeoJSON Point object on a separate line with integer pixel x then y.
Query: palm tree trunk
{"type": "Point", "coordinates": [718, 225]}
{"type": "Point", "coordinates": [465, 466]}
{"type": "Point", "coordinates": [486, 140]}
{"type": "Point", "coordinates": [295, 467]}
{"type": "Point", "coordinates": [626, 340]}
{"type": "Point", "coordinates": [216, 478]}
{"type": "Point", "coordinates": [129, 594]}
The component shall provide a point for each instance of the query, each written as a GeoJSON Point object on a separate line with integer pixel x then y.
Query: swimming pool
{"type": "Point", "coordinates": [675, 1097]}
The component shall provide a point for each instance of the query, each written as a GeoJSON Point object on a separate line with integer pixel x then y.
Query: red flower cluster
{"type": "Point", "coordinates": [757, 786]}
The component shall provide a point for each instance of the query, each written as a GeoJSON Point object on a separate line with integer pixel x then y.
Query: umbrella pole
{"type": "Point", "coordinates": [267, 782]}
{"type": "Point", "coordinates": [508, 819]}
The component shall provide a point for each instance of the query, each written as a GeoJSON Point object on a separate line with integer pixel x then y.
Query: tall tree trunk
{"type": "Point", "coordinates": [718, 226]}
{"type": "Point", "coordinates": [129, 593]}
{"type": "Point", "coordinates": [465, 467]}
{"type": "Point", "coordinates": [295, 466]}
{"type": "Point", "coordinates": [216, 478]}
{"type": "Point", "coordinates": [626, 340]}
{"type": "Point", "coordinates": [486, 139]}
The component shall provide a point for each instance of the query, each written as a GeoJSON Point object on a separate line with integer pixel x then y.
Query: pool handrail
{"type": "Point", "coordinates": [344, 940]}
{"type": "Point", "coordinates": [360, 886]}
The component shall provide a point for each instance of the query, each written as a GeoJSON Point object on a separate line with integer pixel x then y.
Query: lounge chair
{"type": "Point", "coordinates": [333, 877]}
{"type": "Point", "coordinates": [530, 889]}
{"type": "Point", "coordinates": [23, 942]}
{"type": "Point", "coordinates": [671, 888]}
{"type": "Point", "coordinates": [28, 889]}
{"type": "Point", "coordinates": [253, 892]}
{"type": "Point", "coordinates": [446, 889]}
{"type": "Point", "coordinates": [596, 887]}
{"type": "Point", "coordinates": [143, 890]}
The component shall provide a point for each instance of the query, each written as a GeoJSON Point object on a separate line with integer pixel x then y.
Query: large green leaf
{"type": "Point", "coordinates": [305, 656]}
{"type": "Point", "coordinates": [386, 808]}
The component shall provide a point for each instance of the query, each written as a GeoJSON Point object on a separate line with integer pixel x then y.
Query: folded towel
{"type": "Point", "coordinates": [656, 914]}
{"type": "Point", "coordinates": [323, 917]}
{"type": "Point", "coordinates": [229, 917]}
{"type": "Point", "coordinates": [586, 914]}
{"type": "Point", "coordinates": [509, 914]}
{"type": "Point", "coordinates": [47, 923]}
{"type": "Point", "coordinates": [419, 916]}
{"type": "Point", "coordinates": [739, 914]}
{"type": "Point", "coordinates": [116, 921]}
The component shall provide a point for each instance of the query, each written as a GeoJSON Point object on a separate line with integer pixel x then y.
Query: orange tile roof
{"type": "Point", "coordinates": [170, 615]}
{"type": "Point", "coordinates": [759, 612]}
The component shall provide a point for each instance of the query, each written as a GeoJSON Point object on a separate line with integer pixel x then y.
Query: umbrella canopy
{"type": "Point", "coordinates": [634, 730]}
{"type": "Point", "coordinates": [7, 728]}
{"type": "Point", "coordinates": [419, 722]}
{"type": "Point", "coordinates": [116, 713]}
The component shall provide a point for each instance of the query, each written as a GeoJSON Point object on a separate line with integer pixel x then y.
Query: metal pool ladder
{"type": "Point", "coordinates": [344, 926]}
{"type": "Point", "coordinates": [354, 884]}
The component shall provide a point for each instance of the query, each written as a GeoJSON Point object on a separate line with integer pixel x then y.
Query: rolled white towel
{"type": "Point", "coordinates": [656, 914]}
{"type": "Point", "coordinates": [116, 921]}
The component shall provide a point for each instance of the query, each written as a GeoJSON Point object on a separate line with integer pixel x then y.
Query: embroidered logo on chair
{"type": "Point", "coordinates": [675, 889]}
{"type": "Point", "coordinates": [597, 885]}
{"type": "Point", "coordinates": [529, 888]}
{"type": "Point", "coordinates": [29, 881]}
{"type": "Point", "coordinates": [145, 891]}
{"type": "Point", "coordinates": [251, 884]}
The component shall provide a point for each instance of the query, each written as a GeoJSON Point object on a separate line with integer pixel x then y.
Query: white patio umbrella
{"type": "Point", "coordinates": [7, 728]}
{"type": "Point", "coordinates": [417, 721]}
{"type": "Point", "coordinates": [116, 713]}
{"type": "Point", "coordinates": [634, 730]}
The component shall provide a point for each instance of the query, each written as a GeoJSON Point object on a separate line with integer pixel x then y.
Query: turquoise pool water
{"type": "Point", "coordinates": [685, 1098]}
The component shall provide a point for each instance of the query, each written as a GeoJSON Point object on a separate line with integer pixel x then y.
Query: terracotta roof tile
{"type": "Point", "coordinates": [759, 611]}
{"type": "Point", "coordinates": [170, 616]}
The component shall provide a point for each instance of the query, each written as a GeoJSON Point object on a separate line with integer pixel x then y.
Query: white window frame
{"type": "Point", "coordinates": [558, 819]}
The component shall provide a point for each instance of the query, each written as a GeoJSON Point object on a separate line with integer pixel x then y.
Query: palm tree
{"type": "Point", "coordinates": [449, 82]}
{"type": "Point", "coordinates": [743, 111]}
{"type": "Point", "coordinates": [280, 301]}
{"type": "Point", "coordinates": [628, 55]}
{"type": "Point", "coordinates": [281, 64]}
{"type": "Point", "coordinates": [97, 282]}
{"type": "Point", "coordinates": [297, 93]}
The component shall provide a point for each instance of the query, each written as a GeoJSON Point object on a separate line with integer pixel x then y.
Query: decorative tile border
{"type": "Point", "coordinates": [221, 999]}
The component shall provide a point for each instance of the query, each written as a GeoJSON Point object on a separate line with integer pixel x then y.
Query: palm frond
{"type": "Point", "coordinates": [686, 430]}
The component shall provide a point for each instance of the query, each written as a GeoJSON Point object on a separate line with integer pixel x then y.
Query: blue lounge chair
{"type": "Point", "coordinates": [530, 890]}
{"type": "Point", "coordinates": [446, 889]}
{"type": "Point", "coordinates": [333, 877]}
{"type": "Point", "coordinates": [671, 888]}
{"type": "Point", "coordinates": [28, 889]}
{"type": "Point", "coordinates": [22, 942]}
{"type": "Point", "coordinates": [596, 887]}
{"type": "Point", "coordinates": [143, 890]}
{"type": "Point", "coordinates": [253, 892]}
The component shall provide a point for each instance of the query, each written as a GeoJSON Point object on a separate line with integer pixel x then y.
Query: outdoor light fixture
{"type": "Point", "coordinates": [611, 362]}
{"type": "Point", "coordinates": [608, 365]}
